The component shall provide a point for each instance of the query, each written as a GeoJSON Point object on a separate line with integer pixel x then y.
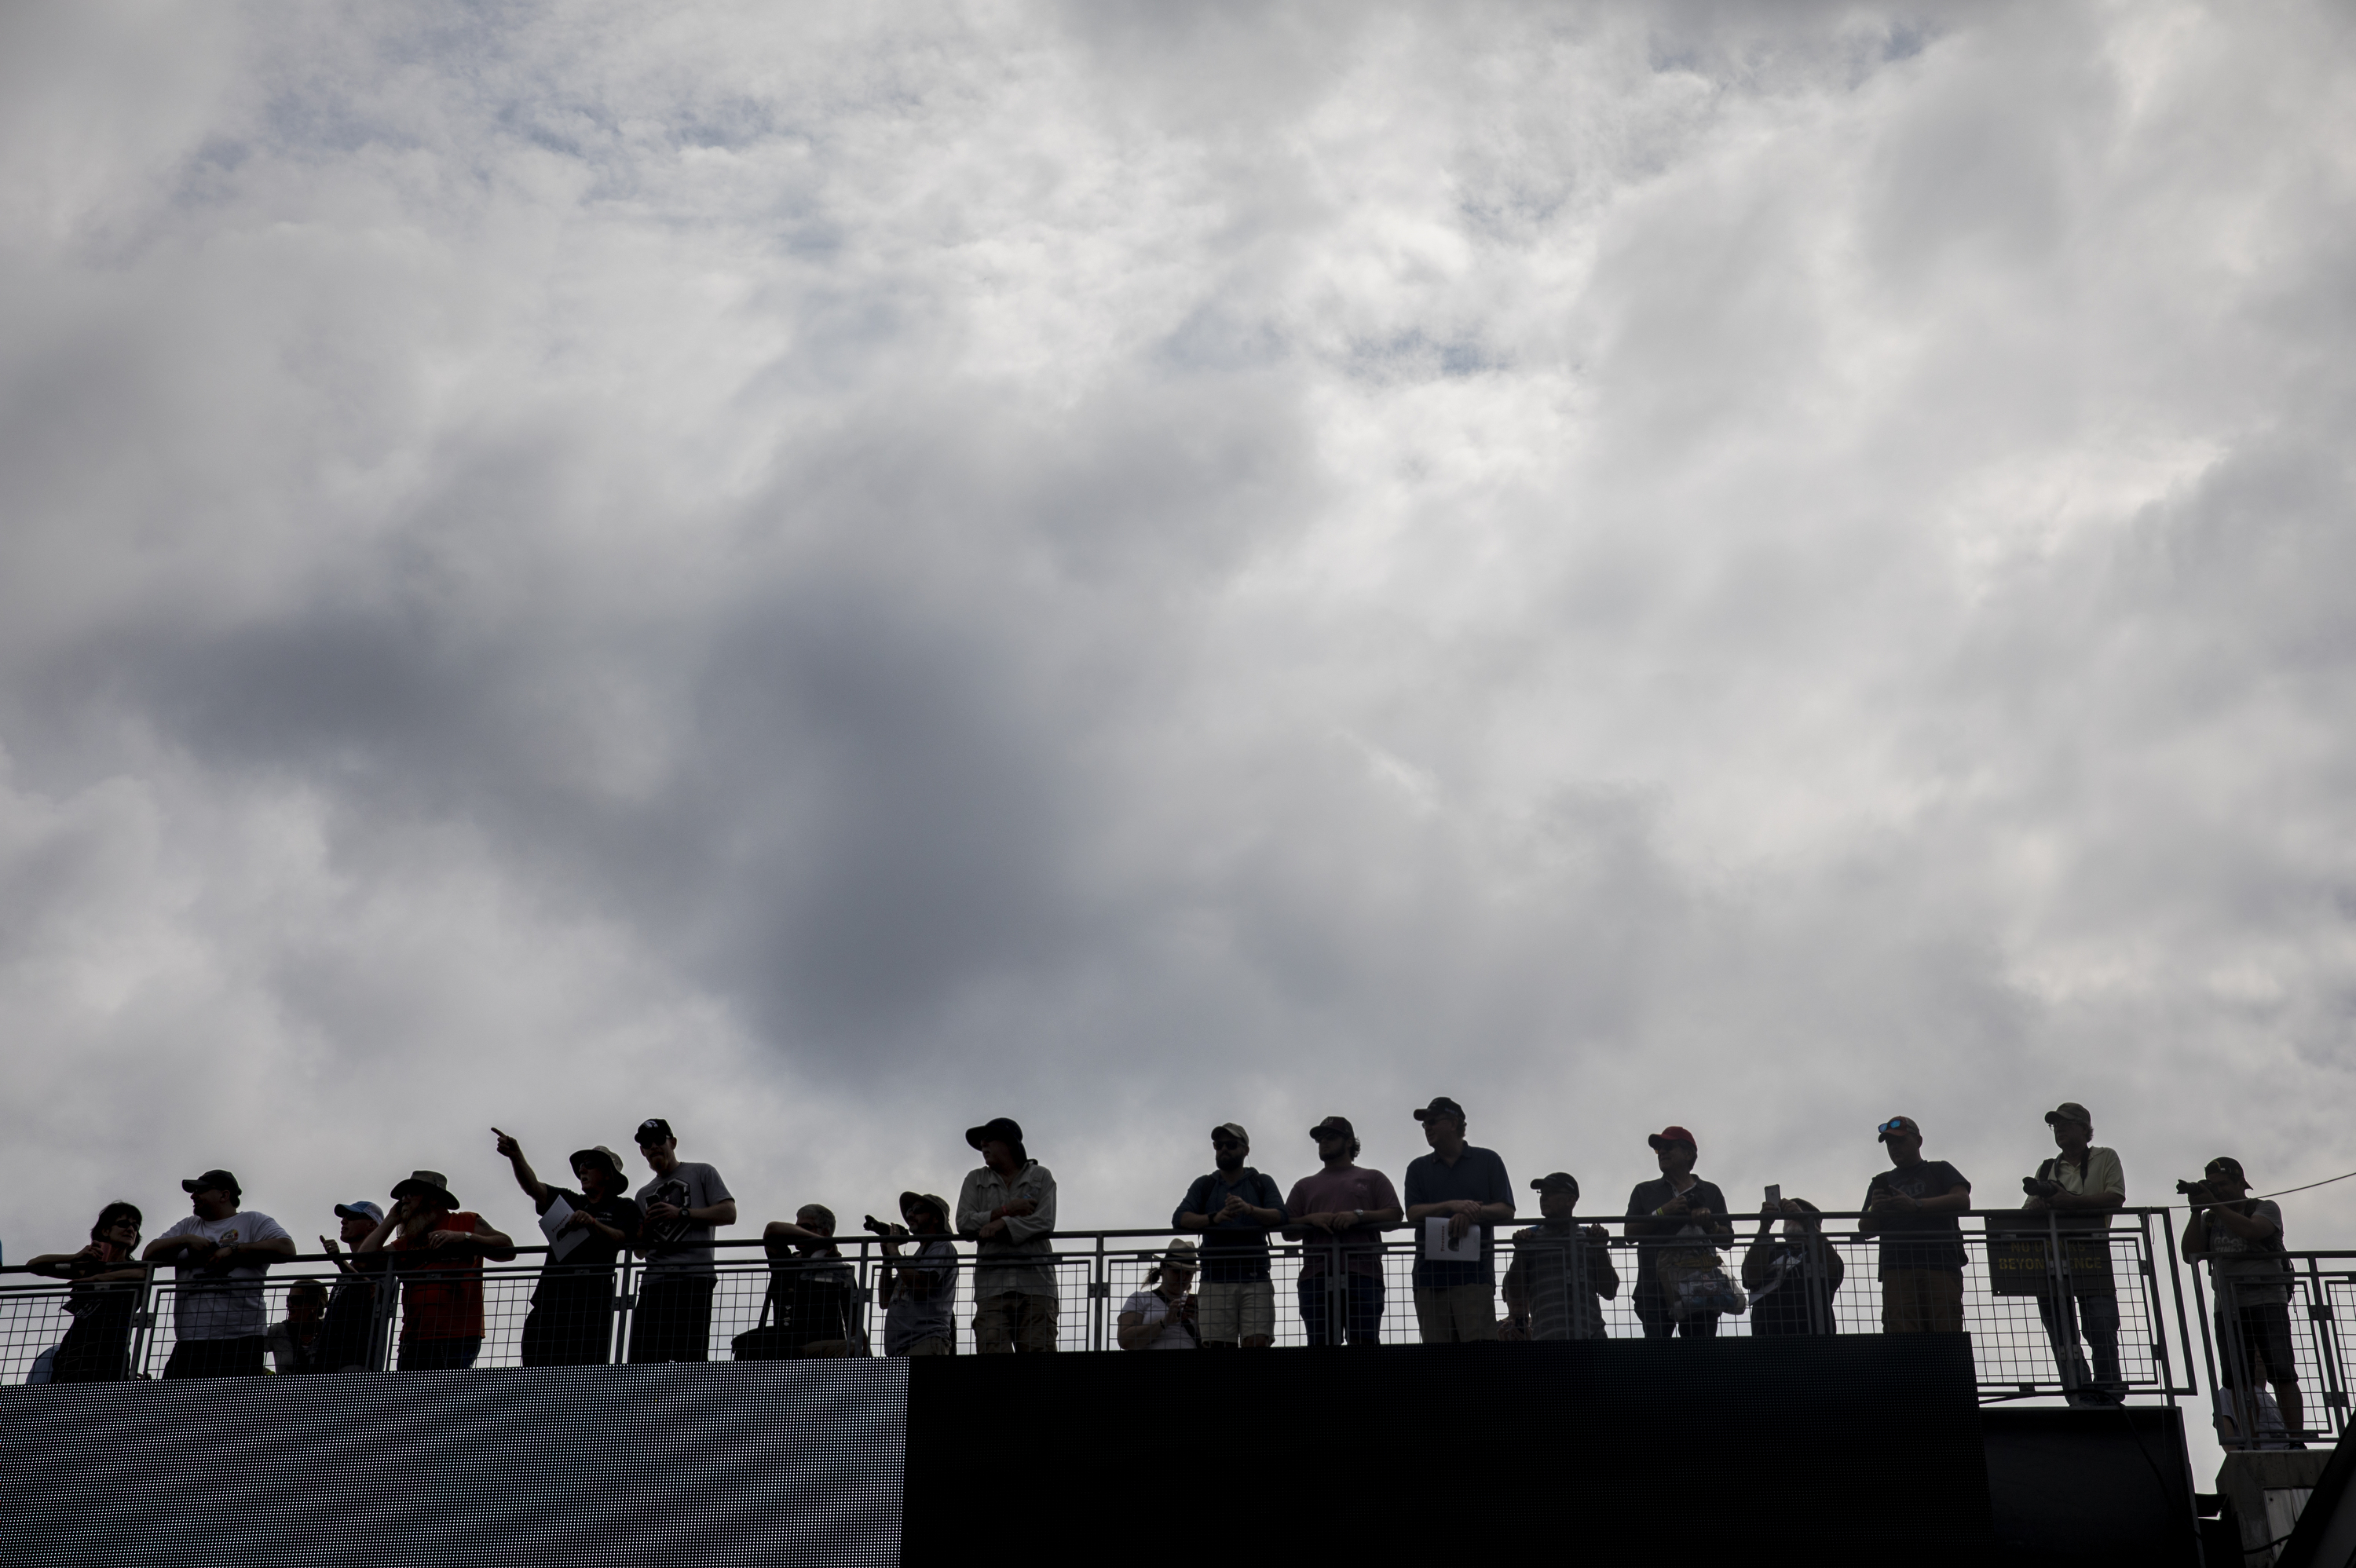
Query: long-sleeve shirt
{"type": "Point", "coordinates": [1015, 1259]}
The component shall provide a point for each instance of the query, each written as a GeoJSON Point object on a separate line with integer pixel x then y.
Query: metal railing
{"type": "Point", "coordinates": [2006, 1271]}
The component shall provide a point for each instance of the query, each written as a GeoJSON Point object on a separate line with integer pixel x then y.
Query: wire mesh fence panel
{"type": "Point", "coordinates": [33, 1321]}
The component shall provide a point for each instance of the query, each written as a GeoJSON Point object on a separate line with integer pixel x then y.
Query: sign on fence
{"type": "Point", "coordinates": [2021, 1257]}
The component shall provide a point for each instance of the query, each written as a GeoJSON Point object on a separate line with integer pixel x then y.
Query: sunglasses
{"type": "Point", "coordinates": [1224, 1143]}
{"type": "Point", "coordinates": [1895, 1124]}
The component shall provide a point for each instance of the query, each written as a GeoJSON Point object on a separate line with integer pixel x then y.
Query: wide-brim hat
{"type": "Point", "coordinates": [998, 1129]}
{"type": "Point", "coordinates": [910, 1200]}
{"type": "Point", "coordinates": [598, 1153]}
{"type": "Point", "coordinates": [433, 1183]}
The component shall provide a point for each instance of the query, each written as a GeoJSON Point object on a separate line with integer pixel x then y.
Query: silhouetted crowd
{"type": "Point", "coordinates": [1212, 1289]}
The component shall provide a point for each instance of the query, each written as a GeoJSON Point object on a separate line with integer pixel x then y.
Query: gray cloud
{"type": "Point", "coordinates": [826, 580]}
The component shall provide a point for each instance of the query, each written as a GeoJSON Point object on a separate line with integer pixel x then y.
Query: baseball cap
{"type": "Point", "coordinates": [1233, 1130]}
{"type": "Point", "coordinates": [1899, 1124]}
{"type": "Point", "coordinates": [998, 1129]}
{"type": "Point", "coordinates": [2069, 1110]}
{"type": "Point", "coordinates": [362, 1210]}
{"type": "Point", "coordinates": [215, 1178]}
{"type": "Point", "coordinates": [1673, 1135]}
{"type": "Point", "coordinates": [654, 1129]}
{"type": "Point", "coordinates": [1441, 1105]}
{"type": "Point", "coordinates": [1334, 1126]}
{"type": "Point", "coordinates": [1556, 1181]}
{"type": "Point", "coordinates": [2227, 1163]}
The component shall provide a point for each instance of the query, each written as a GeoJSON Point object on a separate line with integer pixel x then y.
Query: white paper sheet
{"type": "Point", "coordinates": [560, 1240]}
{"type": "Point", "coordinates": [1438, 1248]}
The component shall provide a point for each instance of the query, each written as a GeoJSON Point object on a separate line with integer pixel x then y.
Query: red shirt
{"type": "Point", "coordinates": [442, 1293]}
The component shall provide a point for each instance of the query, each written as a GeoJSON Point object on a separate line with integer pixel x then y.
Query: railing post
{"type": "Point", "coordinates": [625, 1298]}
{"type": "Point", "coordinates": [142, 1327]}
{"type": "Point", "coordinates": [1100, 1298]}
{"type": "Point", "coordinates": [2335, 1393]}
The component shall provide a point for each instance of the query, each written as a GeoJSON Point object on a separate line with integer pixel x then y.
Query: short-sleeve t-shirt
{"type": "Point", "coordinates": [677, 1248]}
{"type": "Point", "coordinates": [1235, 1252]}
{"type": "Point", "coordinates": [222, 1305]}
{"type": "Point", "coordinates": [593, 1253]}
{"type": "Point", "coordinates": [1340, 1192]}
{"type": "Point", "coordinates": [2254, 1266]}
{"type": "Point", "coordinates": [1152, 1306]}
{"type": "Point", "coordinates": [442, 1288]}
{"type": "Point", "coordinates": [911, 1317]}
{"type": "Point", "coordinates": [1918, 1241]}
{"type": "Point", "coordinates": [1479, 1175]}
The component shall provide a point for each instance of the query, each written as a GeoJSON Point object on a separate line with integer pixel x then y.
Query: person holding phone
{"type": "Point", "coordinates": [1912, 1207]}
{"type": "Point", "coordinates": [1161, 1316]}
{"type": "Point", "coordinates": [1661, 1210]}
{"type": "Point", "coordinates": [1790, 1270]}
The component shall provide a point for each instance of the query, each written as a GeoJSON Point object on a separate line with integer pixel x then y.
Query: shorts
{"type": "Point", "coordinates": [1922, 1301]}
{"type": "Point", "coordinates": [931, 1345]}
{"type": "Point", "coordinates": [1229, 1313]}
{"type": "Point", "coordinates": [2263, 1328]}
{"type": "Point", "coordinates": [1456, 1314]}
{"type": "Point", "coordinates": [672, 1321]}
{"type": "Point", "coordinates": [1014, 1320]}
{"type": "Point", "coordinates": [239, 1358]}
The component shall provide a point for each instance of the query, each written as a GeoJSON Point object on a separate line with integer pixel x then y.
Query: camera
{"type": "Point", "coordinates": [2036, 1187]}
{"type": "Point", "coordinates": [2192, 1190]}
{"type": "Point", "coordinates": [877, 1227]}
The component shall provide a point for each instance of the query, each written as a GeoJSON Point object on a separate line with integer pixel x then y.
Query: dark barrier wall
{"type": "Point", "coordinates": [1833, 1450]}
{"type": "Point", "coordinates": [768, 1463]}
{"type": "Point", "coordinates": [2091, 1489]}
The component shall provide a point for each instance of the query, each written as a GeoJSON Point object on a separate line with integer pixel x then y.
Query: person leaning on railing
{"type": "Point", "coordinates": [2081, 1187]}
{"type": "Point", "coordinates": [919, 1292]}
{"type": "Point", "coordinates": [571, 1318]}
{"type": "Point", "coordinates": [1791, 1271]}
{"type": "Point", "coordinates": [1560, 1276]}
{"type": "Point", "coordinates": [438, 1249]}
{"type": "Point", "coordinates": [1235, 1206]}
{"type": "Point", "coordinates": [2241, 1237]}
{"type": "Point", "coordinates": [810, 1287]}
{"type": "Point", "coordinates": [1465, 1189]}
{"type": "Point", "coordinates": [1338, 1214]}
{"type": "Point", "coordinates": [1161, 1316]}
{"type": "Point", "coordinates": [219, 1256]}
{"type": "Point", "coordinates": [1912, 1207]}
{"type": "Point", "coordinates": [1009, 1206]}
{"type": "Point", "coordinates": [106, 1277]}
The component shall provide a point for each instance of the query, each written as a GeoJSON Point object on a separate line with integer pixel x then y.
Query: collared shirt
{"type": "Point", "coordinates": [1479, 1175]}
{"type": "Point", "coordinates": [2100, 1172]}
{"type": "Point", "coordinates": [1016, 1259]}
{"type": "Point", "coordinates": [1562, 1276]}
{"type": "Point", "coordinates": [1235, 1252]}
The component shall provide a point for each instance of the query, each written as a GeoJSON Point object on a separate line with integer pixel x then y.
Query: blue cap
{"type": "Point", "coordinates": [363, 1208]}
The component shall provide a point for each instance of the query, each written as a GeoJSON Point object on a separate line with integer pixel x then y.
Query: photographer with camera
{"type": "Point", "coordinates": [918, 1294]}
{"type": "Point", "coordinates": [2080, 1187]}
{"type": "Point", "coordinates": [2241, 1237]}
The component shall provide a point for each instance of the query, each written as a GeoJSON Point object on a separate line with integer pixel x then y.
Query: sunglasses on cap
{"type": "Point", "coordinates": [1894, 1124]}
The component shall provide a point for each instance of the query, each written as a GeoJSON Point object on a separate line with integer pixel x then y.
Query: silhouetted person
{"type": "Point", "coordinates": [219, 1257]}
{"type": "Point", "coordinates": [571, 1318]}
{"type": "Point", "coordinates": [107, 1275]}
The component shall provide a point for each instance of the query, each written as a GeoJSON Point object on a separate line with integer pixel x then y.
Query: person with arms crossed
{"type": "Point", "coordinates": [1462, 1187]}
{"type": "Point", "coordinates": [571, 1318]}
{"type": "Point", "coordinates": [438, 1248]}
{"type": "Point", "coordinates": [1161, 1316]}
{"type": "Point", "coordinates": [1235, 1206]}
{"type": "Point", "coordinates": [1009, 1206]}
{"type": "Point", "coordinates": [1338, 1214]}
{"type": "Point", "coordinates": [1661, 1210]}
{"type": "Point", "coordinates": [920, 1292]}
{"type": "Point", "coordinates": [106, 1276]}
{"type": "Point", "coordinates": [2241, 1237]}
{"type": "Point", "coordinates": [1913, 1208]}
{"type": "Point", "coordinates": [219, 1257]}
{"type": "Point", "coordinates": [1561, 1275]}
{"type": "Point", "coordinates": [2080, 1187]}
{"type": "Point", "coordinates": [682, 1207]}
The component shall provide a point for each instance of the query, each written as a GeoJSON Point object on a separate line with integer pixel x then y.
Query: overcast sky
{"type": "Point", "coordinates": [828, 574]}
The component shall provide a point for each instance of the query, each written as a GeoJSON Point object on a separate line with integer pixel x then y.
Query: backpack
{"type": "Point", "coordinates": [1693, 1281]}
